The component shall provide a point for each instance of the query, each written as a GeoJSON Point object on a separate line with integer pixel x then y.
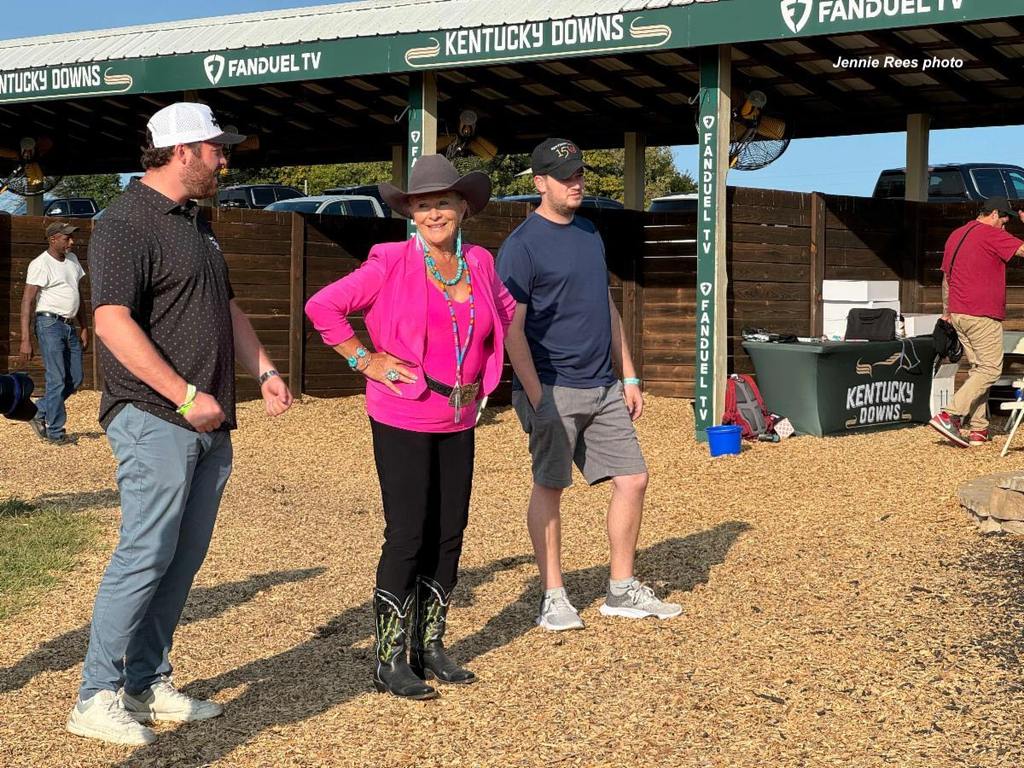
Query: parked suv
{"type": "Point", "coordinates": [337, 205]}
{"type": "Point", "coordinates": [71, 207]}
{"type": "Point", "coordinates": [255, 195]}
{"type": "Point", "coordinates": [958, 182]}
{"type": "Point", "coordinates": [362, 189]}
{"type": "Point", "coordinates": [686, 202]}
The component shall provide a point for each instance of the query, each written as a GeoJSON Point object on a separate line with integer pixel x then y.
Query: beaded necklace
{"type": "Point", "coordinates": [455, 400]}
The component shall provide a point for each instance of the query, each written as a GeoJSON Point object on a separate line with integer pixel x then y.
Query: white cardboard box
{"type": "Point", "coordinates": [943, 383]}
{"type": "Point", "coordinates": [838, 310]}
{"type": "Point", "coordinates": [834, 329]}
{"type": "Point", "coordinates": [860, 290]}
{"type": "Point", "coordinates": [919, 324]}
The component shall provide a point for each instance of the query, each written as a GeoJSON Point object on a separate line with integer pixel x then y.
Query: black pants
{"type": "Point", "coordinates": [425, 482]}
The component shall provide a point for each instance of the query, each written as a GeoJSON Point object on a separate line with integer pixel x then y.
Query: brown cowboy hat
{"type": "Point", "coordinates": [434, 173]}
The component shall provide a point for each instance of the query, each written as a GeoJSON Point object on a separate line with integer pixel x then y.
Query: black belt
{"type": "Point", "coordinates": [434, 385]}
{"type": "Point", "coordinates": [65, 320]}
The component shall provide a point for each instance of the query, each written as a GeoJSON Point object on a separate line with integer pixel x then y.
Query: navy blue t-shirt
{"type": "Point", "coordinates": [558, 271]}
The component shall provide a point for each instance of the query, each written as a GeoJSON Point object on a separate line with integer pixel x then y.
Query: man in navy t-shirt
{"type": "Point", "coordinates": [564, 343]}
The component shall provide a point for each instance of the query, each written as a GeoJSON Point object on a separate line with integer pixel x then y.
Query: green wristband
{"type": "Point", "coordinates": [190, 400]}
{"type": "Point", "coordinates": [631, 380]}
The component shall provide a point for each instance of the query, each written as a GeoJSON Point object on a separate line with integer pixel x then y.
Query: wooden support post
{"type": "Point", "coordinates": [635, 172]}
{"type": "Point", "coordinates": [399, 167]}
{"type": "Point", "coordinates": [422, 121]}
{"type": "Point", "coordinates": [910, 276]}
{"type": "Point", "coordinates": [633, 294]}
{"type": "Point", "coordinates": [297, 303]}
{"type": "Point", "coordinates": [819, 213]}
{"type": "Point", "coordinates": [917, 157]}
{"type": "Point", "coordinates": [712, 309]}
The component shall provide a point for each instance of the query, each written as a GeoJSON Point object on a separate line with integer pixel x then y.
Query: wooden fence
{"type": "Point", "coordinates": [781, 246]}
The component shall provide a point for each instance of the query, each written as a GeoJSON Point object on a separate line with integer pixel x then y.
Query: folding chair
{"type": "Point", "coordinates": [1017, 406]}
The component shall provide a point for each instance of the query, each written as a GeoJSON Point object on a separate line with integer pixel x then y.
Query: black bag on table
{"type": "Point", "coordinates": [871, 324]}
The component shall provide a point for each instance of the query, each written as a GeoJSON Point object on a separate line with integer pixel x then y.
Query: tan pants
{"type": "Point", "coordinates": [982, 338]}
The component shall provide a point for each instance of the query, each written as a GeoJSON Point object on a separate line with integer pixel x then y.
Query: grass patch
{"type": "Point", "coordinates": [37, 545]}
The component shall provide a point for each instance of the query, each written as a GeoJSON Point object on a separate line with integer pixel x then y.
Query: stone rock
{"type": "Point", "coordinates": [1005, 504]}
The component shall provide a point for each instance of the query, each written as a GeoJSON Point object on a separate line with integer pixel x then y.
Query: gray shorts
{"type": "Point", "coordinates": [590, 427]}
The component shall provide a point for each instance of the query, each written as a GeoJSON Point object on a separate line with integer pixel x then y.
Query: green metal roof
{"type": "Point", "coordinates": [352, 39]}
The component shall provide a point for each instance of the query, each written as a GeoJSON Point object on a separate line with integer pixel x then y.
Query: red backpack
{"type": "Point", "coordinates": [745, 408]}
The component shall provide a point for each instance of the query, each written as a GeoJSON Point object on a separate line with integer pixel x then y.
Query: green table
{"type": "Point", "coordinates": [837, 387]}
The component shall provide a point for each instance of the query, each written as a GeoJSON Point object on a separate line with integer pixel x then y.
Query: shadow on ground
{"type": "Point", "coordinates": [291, 686]}
{"type": "Point", "coordinates": [68, 650]}
{"type": "Point", "coordinates": [79, 502]}
{"type": "Point", "coordinates": [1002, 557]}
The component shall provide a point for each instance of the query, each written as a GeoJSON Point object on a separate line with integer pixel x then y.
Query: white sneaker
{"type": "Point", "coordinates": [162, 701]}
{"type": "Point", "coordinates": [103, 717]}
{"type": "Point", "coordinates": [557, 614]}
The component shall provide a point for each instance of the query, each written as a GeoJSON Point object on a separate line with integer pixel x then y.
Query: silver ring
{"type": "Point", "coordinates": [391, 374]}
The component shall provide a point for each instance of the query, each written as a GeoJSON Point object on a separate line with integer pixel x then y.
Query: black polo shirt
{"type": "Point", "coordinates": [159, 259]}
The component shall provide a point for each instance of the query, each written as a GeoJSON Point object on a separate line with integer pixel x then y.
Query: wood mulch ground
{"type": "Point", "coordinates": [840, 610]}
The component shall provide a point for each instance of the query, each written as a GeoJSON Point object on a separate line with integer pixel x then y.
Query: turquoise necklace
{"type": "Point", "coordinates": [432, 265]}
{"type": "Point", "coordinates": [455, 399]}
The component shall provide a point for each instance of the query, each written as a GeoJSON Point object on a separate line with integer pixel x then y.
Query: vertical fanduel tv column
{"type": "Point", "coordinates": [713, 142]}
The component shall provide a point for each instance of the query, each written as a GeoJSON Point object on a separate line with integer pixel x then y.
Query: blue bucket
{"type": "Point", "coordinates": [725, 440]}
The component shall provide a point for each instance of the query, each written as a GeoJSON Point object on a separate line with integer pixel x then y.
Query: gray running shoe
{"type": "Point", "coordinates": [638, 602]}
{"type": "Point", "coordinates": [557, 614]}
{"type": "Point", "coordinates": [39, 426]}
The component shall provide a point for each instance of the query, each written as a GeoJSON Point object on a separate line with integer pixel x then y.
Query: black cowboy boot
{"type": "Point", "coordinates": [427, 657]}
{"type": "Point", "coordinates": [392, 673]}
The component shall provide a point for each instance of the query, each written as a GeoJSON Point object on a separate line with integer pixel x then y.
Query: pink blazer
{"type": "Point", "coordinates": [391, 286]}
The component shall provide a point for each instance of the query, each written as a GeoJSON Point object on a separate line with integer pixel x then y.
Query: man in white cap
{"type": "Point", "coordinates": [52, 300]}
{"type": "Point", "coordinates": [171, 331]}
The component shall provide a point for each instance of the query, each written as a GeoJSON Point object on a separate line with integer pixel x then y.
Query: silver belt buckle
{"type": "Point", "coordinates": [463, 395]}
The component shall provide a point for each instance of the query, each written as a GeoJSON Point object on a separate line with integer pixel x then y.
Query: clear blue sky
{"type": "Point", "coordinates": [846, 165]}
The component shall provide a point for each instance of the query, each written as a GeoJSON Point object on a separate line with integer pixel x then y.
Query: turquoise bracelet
{"type": "Point", "coordinates": [631, 380]}
{"type": "Point", "coordinates": [353, 362]}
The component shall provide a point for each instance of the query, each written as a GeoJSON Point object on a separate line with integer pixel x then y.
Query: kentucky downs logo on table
{"type": "Point", "coordinates": [877, 403]}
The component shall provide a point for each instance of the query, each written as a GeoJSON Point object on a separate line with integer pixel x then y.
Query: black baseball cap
{"type": "Point", "coordinates": [1000, 204]}
{"type": "Point", "coordinates": [556, 157]}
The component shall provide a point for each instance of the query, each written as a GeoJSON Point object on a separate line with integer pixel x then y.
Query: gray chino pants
{"type": "Point", "coordinates": [171, 480]}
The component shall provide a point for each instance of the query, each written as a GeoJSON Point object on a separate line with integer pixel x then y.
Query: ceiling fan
{"type": "Point", "coordinates": [21, 171]}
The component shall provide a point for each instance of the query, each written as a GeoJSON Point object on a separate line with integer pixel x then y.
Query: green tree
{"type": "Point", "coordinates": [605, 175]}
{"type": "Point", "coordinates": [102, 187]}
{"type": "Point", "coordinates": [313, 179]}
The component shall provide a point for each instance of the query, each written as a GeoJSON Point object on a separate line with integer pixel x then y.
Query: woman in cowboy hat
{"type": "Point", "coordinates": [436, 314]}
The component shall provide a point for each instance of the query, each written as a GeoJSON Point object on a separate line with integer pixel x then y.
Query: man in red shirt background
{"type": "Point", "coordinates": [974, 301]}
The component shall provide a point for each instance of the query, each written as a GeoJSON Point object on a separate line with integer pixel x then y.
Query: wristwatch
{"type": "Point", "coordinates": [266, 375]}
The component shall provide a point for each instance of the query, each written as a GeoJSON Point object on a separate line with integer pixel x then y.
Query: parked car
{"type": "Point", "coordinates": [362, 189]}
{"type": "Point", "coordinates": [71, 207]}
{"type": "Point", "coordinates": [958, 182]}
{"type": "Point", "coordinates": [686, 202]}
{"type": "Point", "coordinates": [589, 201]}
{"type": "Point", "coordinates": [337, 205]}
{"type": "Point", "coordinates": [255, 195]}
